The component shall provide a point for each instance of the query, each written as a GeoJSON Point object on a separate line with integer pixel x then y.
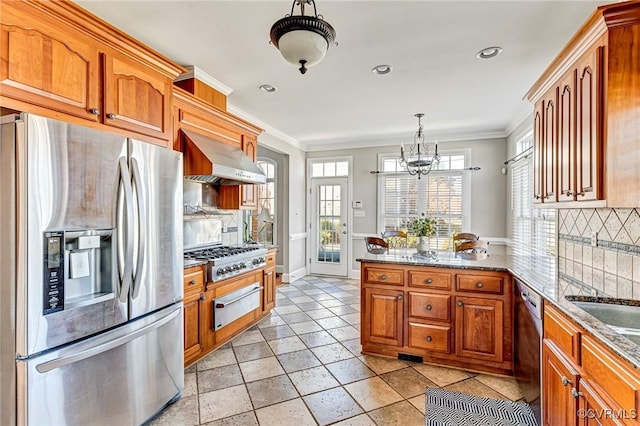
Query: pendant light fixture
{"type": "Point", "coordinates": [303, 40]}
{"type": "Point", "coordinates": [418, 161]}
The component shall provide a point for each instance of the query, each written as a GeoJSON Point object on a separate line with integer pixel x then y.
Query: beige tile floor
{"type": "Point", "coordinates": [302, 366]}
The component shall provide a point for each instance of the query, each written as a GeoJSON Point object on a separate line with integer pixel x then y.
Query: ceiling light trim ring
{"type": "Point", "coordinates": [489, 52]}
{"type": "Point", "coordinates": [382, 69]}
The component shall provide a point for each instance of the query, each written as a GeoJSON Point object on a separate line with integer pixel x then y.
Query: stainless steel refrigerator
{"type": "Point", "coordinates": [91, 275]}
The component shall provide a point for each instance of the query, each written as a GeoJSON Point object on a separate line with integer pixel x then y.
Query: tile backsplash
{"type": "Point", "coordinates": [612, 267]}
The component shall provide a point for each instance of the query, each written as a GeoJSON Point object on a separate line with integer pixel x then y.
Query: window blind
{"type": "Point", "coordinates": [442, 195]}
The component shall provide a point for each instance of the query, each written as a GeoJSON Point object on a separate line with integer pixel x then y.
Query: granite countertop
{"type": "Point", "coordinates": [188, 263]}
{"type": "Point", "coordinates": [536, 272]}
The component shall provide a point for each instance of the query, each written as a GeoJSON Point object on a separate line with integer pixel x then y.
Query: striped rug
{"type": "Point", "coordinates": [446, 408]}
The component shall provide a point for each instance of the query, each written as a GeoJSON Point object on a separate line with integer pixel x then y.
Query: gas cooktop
{"type": "Point", "coordinates": [227, 261]}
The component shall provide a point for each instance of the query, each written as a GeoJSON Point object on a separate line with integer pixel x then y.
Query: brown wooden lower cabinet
{"type": "Point", "coordinates": [455, 317]}
{"type": "Point", "coordinates": [383, 311]}
{"type": "Point", "coordinates": [199, 335]}
{"type": "Point", "coordinates": [583, 382]}
{"type": "Point", "coordinates": [559, 377]}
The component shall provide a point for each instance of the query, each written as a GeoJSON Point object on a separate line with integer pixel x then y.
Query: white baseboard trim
{"type": "Point", "coordinates": [355, 274]}
{"type": "Point", "coordinates": [295, 275]}
{"type": "Point", "coordinates": [279, 269]}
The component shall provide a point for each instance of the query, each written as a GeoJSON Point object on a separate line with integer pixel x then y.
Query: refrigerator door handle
{"type": "Point", "coordinates": [141, 238]}
{"type": "Point", "coordinates": [103, 347]}
{"type": "Point", "coordinates": [127, 269]}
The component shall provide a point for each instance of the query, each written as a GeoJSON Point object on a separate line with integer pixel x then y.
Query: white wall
{"type": "Point", "coordinates": [488, 187]}
{"type": "Point", "coordinates": [293, 245]}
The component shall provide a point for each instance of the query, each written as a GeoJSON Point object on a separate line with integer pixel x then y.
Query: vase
{"type": "Point", "coordinates": [422, 245]}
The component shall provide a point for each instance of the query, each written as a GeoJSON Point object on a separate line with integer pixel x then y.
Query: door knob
{"type": "Point", "coordinates": [344, 232]}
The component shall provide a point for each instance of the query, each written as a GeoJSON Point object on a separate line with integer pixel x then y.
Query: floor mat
{"type": "Point", "coordinates": [446, 408]}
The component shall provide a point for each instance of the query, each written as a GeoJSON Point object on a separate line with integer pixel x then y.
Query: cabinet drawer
{"type": "Point", "coordinates": [562, 332]}
{"type": "Point", "coordinates": [608, 372]}
{"type": "Point", "coordinates": [271, 259]}
{"type": "Point", "coordinates": [384, 276]}
{"type": "Point", "coordinates": [430, 306]}
{"type": "Point", "coordinates": [429, 279]}
{"type": "Point", "coordinates": [432, 337]}
{"type": "Point", "coordinates": [193, 280]}
{"type": "Point", "coordinates": [480, 284]}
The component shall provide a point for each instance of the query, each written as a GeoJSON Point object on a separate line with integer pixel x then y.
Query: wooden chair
{"type": "Point", "coordinates": [376, 245]}
{"type": "Point", "coordinates": [476, 246]}
{"type": "Point", "coordinates": [395, 239]}
{"type": "Point", "coordinates": [463, 237]}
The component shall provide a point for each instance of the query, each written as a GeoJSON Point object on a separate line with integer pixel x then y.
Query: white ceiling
{"type": "Point", "coordinates": [340, 102]}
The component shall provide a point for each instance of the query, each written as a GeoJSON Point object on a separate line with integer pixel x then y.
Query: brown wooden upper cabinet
{"type": "Point", "coordinates": [586, 120]}
{"type": "Point", "coordinates": [52, 63]}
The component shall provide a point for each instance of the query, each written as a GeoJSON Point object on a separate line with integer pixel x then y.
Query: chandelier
{"type": "Point", "coordinates": [418, 161]}
{"type": "Point", "coordinates": [303, 40]}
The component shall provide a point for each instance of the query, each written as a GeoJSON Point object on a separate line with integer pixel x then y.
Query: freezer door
{"type": "Point", "coordinates": [122, 377]}
{"type": "Point", "coordinates": [157, 193]}
{"type": "Point", "coordinates": [68, 181]}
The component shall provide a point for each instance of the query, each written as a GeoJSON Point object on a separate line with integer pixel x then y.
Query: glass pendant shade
{"type": "Point", "coordinates": [302, 40]}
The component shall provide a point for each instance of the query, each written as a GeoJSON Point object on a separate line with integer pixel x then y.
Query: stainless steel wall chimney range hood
{"type": "Point", "coordinates": [209, 161]}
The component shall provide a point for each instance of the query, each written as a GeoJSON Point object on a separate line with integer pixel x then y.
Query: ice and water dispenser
{"type": "Point", "coordinates": [79, 269]}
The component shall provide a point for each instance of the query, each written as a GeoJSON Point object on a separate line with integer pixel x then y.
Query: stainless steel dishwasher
{"type": "Point", "coordinates": [528, 345]}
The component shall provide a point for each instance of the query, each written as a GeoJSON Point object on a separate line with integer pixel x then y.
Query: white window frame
{"type": "Point", "coordinates": [274, 211]}
{"type": "Point", "coordinates": [466, 186]}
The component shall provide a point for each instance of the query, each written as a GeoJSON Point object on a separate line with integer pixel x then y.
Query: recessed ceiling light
{"type": "Point", "coordinates": [268, 88]}
{"type": "Point", "coordinates": [489, 52]}
{"type": "Point", "coordinates": [382, 69]}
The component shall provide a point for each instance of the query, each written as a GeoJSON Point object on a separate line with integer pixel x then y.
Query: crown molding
{"type": "Point", "coordinates": [396, 139]}
{"type": "Point", "coordinates": [195, 72]}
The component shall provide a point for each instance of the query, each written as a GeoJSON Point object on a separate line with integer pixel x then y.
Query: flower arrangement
{"type": "Point", "coordinates": [422, 226]}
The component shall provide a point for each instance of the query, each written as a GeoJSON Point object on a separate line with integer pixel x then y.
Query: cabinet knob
{"type": "Point", "coordinates": [203, 298]}
{"type": "Point", "coordinates": [479, 285]}
{"type": "Point", "coordinates": [94, 111]}
{"type": "Point", "coordinates": [566, 382]}
{"type": "Point", "coordinates": [428, 281]}
{"type": "Point", "coordinates": [383, 277]}
{"type": "Point", "coordinates": [569, 193]}
{"type": "Point", "coordinates": [192, 282]}
{"type": "Point", "coordinates": [399, 297]}
{"type": "Point", "coordinates": [428, 307]}
{"type": "Point", "coordinates": [580, 194]}
{"type": "Point", "coordinates": [429, 338]}
{"type": "Point", "coordinates": [111, 116]}
{"type": "Point", "coordinates": [537, 197]}
{"type": "Point", "coordinates": [575, 393]}
{"type": "Point", "coordinates": [459, 303]}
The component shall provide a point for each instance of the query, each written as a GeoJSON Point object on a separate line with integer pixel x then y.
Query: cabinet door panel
{"type": "Point", "coordinates": [588, 125]}
{"type": "Point", "coordinates": [593, 410]}
{"type": "Point", "coordinates": [49, 69]}
{"type": "Point", "coordinates": [566, 139]}
{"type": "Point", "coordinates": [192, 325]}
{"type": "Point", "coordinates": [249, 193]}
{"type": "Point", "coordinates": [136, 98]}
{"type": "Point", "coordinates": [558, 378]}
{"type": "Point", "coordinates": [269, 290]}
{"type": "Point", "coordinates": [550, 126]}
{"type": "Point", "coordinates": [538, 153]}
{"type": "Point", "coordinates": [479, 328]}
{"type": "Point", "coordinates": [383, 316]}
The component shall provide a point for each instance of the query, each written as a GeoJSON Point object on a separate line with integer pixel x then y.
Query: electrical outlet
{"type": "Point", "coordinates": [594, 238]}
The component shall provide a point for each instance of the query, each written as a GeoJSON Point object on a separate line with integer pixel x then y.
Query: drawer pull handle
{"type": "Point", "coordinates": [383, 277]}
{"type": "Point", "coordinates": [479, 285]}
{"type": "Point", "coordinates": [428, 281]}
{"type": "Point", "coordinates": [428, 307]}
{"type": "Point", "coordinates": [399, 297]}
{"type": "Point", "coordinates": [459, 303]}
{"type": "Point", "coordinates": [94, 111]}
{"type": "Point", "coordinates": [429, 338]}
{"type": "Point", "coordinates": [566, 382]}
{"type": "Point", "coordinates": [192, 282]}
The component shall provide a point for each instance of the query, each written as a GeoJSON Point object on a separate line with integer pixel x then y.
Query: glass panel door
{"type": "Point", "coordinates": [329, 226]}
